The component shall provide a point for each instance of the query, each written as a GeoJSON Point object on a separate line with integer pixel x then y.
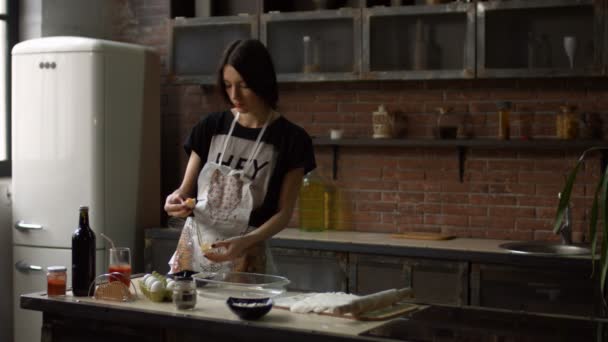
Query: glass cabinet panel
{"type": "Point", "coordinates": [197, 45]}
{"type": "Point", "coordinates": [539, 38]}
{"type": "Point", "coordinates": [314, 46]}
{"type": "Point", "coordinates": [419, 42]}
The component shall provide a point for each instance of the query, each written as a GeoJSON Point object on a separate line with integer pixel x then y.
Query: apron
{"type": "Point", "coordinates": [223, 207]}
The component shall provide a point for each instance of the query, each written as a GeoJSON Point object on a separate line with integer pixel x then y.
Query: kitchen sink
{"type": "Point", "coordinates": [545, 248]}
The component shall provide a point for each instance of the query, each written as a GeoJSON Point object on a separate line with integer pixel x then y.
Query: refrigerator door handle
{"type": "Point", "coordinates": [23, 266]}
{"type": "Point", "coordinates": [21, 225]}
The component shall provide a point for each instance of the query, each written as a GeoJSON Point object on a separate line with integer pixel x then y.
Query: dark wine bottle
{"type": "Point", "coordinates": [83, 255]}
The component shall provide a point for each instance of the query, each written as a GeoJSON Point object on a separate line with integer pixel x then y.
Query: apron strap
{"type": "Point", "coordinates": [256, 147]}
{"type": "Point", "coordinates": [236, 118]}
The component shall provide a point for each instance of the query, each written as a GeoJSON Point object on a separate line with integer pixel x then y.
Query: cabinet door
{"type": "Point", "coordinates": [314, 46]}
{"type": "Point", "coordinates": [197, 45]}
{"type": "Point", "coordinates": [534, 289]}
{"type": "Point", "coordinates": [312, 270]}
{"type": "Point", "coordinates": [539, 38]}
{"type": "Point", "coordinates": [159, 249]}
{"type": "Point", "coordinates": [419, 42]}
{"type": "Point", "coordinates": [433, 281]}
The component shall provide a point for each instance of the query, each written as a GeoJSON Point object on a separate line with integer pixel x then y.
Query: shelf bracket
{"type": "Point", "coordinates": [334, 161]}
{"type": "Point", "coordinates": [461, 159]}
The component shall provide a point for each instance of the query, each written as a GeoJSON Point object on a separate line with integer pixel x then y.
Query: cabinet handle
{"type": "Point", "coordinates": [21, 225]}
{"type": "Point", "coordinates": [23, 266]}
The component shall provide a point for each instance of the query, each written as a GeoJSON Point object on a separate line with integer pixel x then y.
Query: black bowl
{"type": "Point", "coordinates": [249, 308]}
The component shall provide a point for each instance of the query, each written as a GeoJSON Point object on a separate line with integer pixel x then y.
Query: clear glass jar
{"type": "Point", "coordinates": [568, 127]}
{"type": "Point", "coordinates": [56, 280]}
{"type": "Point", "coordinates": [184, 293]}
{"type": "Point", "coordinates": [315, 201]}
{"type": "Point", "coordinates": [311, 54]}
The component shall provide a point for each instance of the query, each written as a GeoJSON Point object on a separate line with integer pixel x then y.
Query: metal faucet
{"type": "Point", "coordinates": [565, 231]}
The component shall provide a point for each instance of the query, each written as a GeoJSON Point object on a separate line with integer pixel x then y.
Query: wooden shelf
{"type": "Point", "coordinates": [461, 145]}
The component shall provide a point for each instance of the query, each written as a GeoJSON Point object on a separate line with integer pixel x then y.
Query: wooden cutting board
{"type": "Point", "coordinates": [422, 236]}
{"type": "Point", "coordinates": [392, 311]}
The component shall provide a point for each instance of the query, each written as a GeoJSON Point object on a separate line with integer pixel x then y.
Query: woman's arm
{"type": "Point", "coordinates": [287, 200]}
{"type": "Point", "coordinates": [174, 204]}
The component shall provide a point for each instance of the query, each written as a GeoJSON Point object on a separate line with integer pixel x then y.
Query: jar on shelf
{"type": "Point", "coordinates": [567, 123]}
{"type": "Point", "coordinates": [56, 280]}
{"type": "Point", "coordinates": [310, 47]}
{"type": "Point", "coordinates": [314, 203]}
{"type": "Point", "coordinates": [504, 124]}
{"type": "Point", "coordinates": [383, 123]}
{"type": "Point", "coordinates": [447, 124]}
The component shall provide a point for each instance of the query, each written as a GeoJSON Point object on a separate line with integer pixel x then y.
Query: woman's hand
{"type": "Point", "coordinates": [233, 248]}
{"type": "Point", "coordinates": [175, 205]}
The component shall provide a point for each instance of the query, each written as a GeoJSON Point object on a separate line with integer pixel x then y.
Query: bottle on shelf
{"type": "Point", "coordinates": [504, 126]}
{"type": "Point", "coordinates": [567, 123]}
{"type": "Point", "coordinates": [314, 203]}
{"type": "Point", "coordinates": [310, 46]}
{"type": "Point", "coordinates": [83, 255]}
{"type": "Point", "coordinates": [420, 47]}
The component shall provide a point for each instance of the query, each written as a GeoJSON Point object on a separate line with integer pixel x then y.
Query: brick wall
{"type": "Point", "coordinates": [508, 194]}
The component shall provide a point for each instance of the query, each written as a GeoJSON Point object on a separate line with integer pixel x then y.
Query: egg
{"type": "Point", "coordinates": [170, 285]}
{"type": "Point", "coordinates": [148, 275]}
{"type": "Point", "coordinates": [149, 281]}
{"type": "Point", "coordinates": [157, 286]}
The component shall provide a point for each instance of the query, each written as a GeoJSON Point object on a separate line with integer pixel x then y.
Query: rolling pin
{"type": "Point", "coordinates": [373, 301]}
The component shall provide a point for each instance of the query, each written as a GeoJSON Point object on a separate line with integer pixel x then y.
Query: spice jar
{"type": "Point", "coordinates": [504, 128]}
{"type": "Point", "coordinates": [55, 280]}
{"type": "Point", "coordinates": [569, 123]}
{"type": "Point", "coordinates": [184, 293]}
{"type": "Point", "coordinates": [383, 123]}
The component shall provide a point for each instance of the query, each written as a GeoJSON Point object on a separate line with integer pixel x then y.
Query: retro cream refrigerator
{"type": "Point", "coordinates": [85, 131]}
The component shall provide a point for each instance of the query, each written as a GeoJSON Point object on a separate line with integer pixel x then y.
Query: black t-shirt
{"type": "Point", "coordinates": [284, 147]}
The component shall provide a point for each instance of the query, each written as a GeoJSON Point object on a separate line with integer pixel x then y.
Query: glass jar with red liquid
{"type": "Point", "coordinates": [56, 280]}
{"type": "Point", "coordinates": [120, 262]}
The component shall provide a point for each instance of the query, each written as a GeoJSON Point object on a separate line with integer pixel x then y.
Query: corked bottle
{"type": "Point", "coordinates": [83, 255]}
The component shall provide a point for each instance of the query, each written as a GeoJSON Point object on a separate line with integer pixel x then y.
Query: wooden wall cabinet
{"type": "Point", "coordinates": [523, 38]}
{"type": "Point", "coordinates": [334, 45]}
{"type": "Point", "coordinates": [419, 42]}
{"type": "Point", "coordinates": [359, 40]}
{"type": "Point", "coordinates": [197, 45]}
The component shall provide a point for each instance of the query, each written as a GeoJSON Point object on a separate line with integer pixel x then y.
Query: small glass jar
{"type": "Point", "coordinates": [56, 280]}
{"type": "Point", "coordinates": [184, 293]}
{"type": "Point", "coordinates": [569, 123]}
{"type": "Point", "coordinates": [504, 126]}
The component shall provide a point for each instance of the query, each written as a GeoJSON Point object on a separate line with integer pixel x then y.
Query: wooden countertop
{"type": "Point", "coordinates": [207, 311]}
{"type": "Point", "coordinates": [458, 249]}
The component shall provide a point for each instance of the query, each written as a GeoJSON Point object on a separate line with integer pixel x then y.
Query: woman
{"type": "Point", "coordinates": [245, 169]}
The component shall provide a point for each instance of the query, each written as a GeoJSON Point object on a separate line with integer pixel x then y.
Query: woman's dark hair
{"type": "Point", "coordinates": [253, 62]}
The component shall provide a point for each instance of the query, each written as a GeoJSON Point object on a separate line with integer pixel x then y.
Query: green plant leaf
{"type": "Point", "coordinates": [604, 212]}
{"type": "Point", "coordinates": [593, 221]}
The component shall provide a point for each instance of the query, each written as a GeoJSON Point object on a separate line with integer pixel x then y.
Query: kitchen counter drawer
{"type": "Point", "coordinates": [534, 289]}
{"type": "Point", "coordinates": [433, 281]}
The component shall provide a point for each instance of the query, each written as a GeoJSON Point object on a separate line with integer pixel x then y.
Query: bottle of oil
{"type": "Point", "coordinates": [315, 199]}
